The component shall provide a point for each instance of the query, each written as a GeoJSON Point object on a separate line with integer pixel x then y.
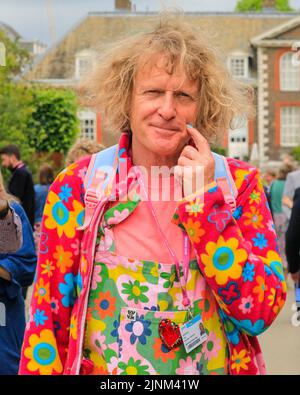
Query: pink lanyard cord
{"type": "Point", "coordinates": [186, 247]}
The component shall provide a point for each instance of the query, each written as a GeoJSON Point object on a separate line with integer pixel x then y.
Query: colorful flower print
{"type": "Point", "coordinates": [133, 368]}
{"type": "Point", "coordinates": [169, 277]}
{"type": "Point", "coordinates": [63, 258]}
{"type": "Point", "coordinates": [136, 291]}
{"type": "Point", "coordinates": [66, 193]}
{"type": "Point", "coordinates": [280, 303]}
{"type": "Point", "coordinates": [253, 329]}
{"type": "Point", "coordinates": [104, 305]}
{"type": "Point", "coordinates": [68, 289]}
{"type": "Point", "coordinates": [230, 293]}
{"type": "Point", "coordinates": [246, 304]}
{"type": "Point", "coordinates": [118, 216]}
{"type": "Point", "coordinates": [248, 272]}
{"type": "Point", "coordinates": [271, 297]}
{"type": "Point", "coordinates": [58, 217]}
{"type": "Point", "coordinates": [238, 213]}
{"type": "Point", "coordinates": [195, 207]}
{"type": "Point", "coordinates": [139, 330]}
{"type": "Point", "coordinates": [161, 352]}
{"type": "Point", "coordinates": [187, 367]}
{"type": "Point", "coordinates": [48, 268]}
{"type": "Point", "coordinates": [54, 305]}
{"type": "Point", "coordinates": [273, 260]}
{"type": "Point", "coordinates": [240, 360]}
{"type": "Point", "coordinates": [96, 276]}
{"type": "Point", "coordinates": [260, 241]}
{"type": "Point", "coordinates": [73, 327]}
{"type": "Point", "coordinates": [39, 317]}
{"type": "Point", "coordinates": [206, 305]}
{"type": "Point", "coordinates": [255, 197]}
{"type": "Point", "coordinates": [255, 218]}
{"type": "Point", "coordinates": [194, 230]}
{"type": "Point", "coordinates": [42, 354]}
{"type": "Point", "coordinates": [67, 172]}
{"type": "Point", "coordinates": [230, 329]}
{"type": "Point", "coordinates": [42, 291]}
{"type": "Point", "coordinates": [260, 288]}
{"type": "Point", "coordinates": [212, 346]}
{"type": "Point", "coordinates": [223, 260]}
{"type": "Point", "coordinates": [240, 177]}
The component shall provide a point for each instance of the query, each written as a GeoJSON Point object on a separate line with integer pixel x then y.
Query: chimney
{"type": "Point", "coordinates": [269, 5]}
{"type": "Point", "coordinates": [123, 5]}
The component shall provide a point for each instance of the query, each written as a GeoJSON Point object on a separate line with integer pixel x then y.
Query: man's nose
{"type": "Point", "coordinates": [167, 108]}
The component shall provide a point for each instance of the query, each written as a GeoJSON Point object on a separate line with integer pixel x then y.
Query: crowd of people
{"type": "Point", "coordinates": [118, 272]}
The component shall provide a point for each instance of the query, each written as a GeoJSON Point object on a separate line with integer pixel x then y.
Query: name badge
{"type": "Point", "coordinates": [193, 333]}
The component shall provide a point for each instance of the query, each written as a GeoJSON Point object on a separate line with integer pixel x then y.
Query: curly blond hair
{"type": "Point", "coordinates": [82, 147]}
{"type": "Point", "coordinates": [108, 87]}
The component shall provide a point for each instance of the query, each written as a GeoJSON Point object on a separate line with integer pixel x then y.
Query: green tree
{"type": "Point", "coordinates": [15, 109]}
{"type": "Point", "coordinates": [53, 125]}
{"type": "Point", "coordinates": [257, 5]}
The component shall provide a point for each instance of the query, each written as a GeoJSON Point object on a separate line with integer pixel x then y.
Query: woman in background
{"type": "Point", "coordinates": [16, 271]}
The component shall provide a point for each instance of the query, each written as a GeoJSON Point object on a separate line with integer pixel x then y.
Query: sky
{"type": "Point", "coordinates": [30, 18]}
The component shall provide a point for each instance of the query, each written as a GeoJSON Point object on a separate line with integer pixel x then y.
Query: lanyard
{"type": "Point", "coordinates": [186, 248]}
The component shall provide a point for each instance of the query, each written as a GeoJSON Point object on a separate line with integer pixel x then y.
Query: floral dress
{"type": "Point", "coordinates": [127, 300]}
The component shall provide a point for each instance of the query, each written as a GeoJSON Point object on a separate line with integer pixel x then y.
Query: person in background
{"type": "Point", "coordinates": [292, 183]}
{"type": "Point", "coordinates": [292, 246]}
{"type": "Point", "coordinates": [268, 178]}
{"type": "Point", "coordinates": [10, 227]}
{"type": "Point", "coordinates": [280, 219]}
{"type": "Point", "coordinates": [16, 271]}
{"type": "Point", "coordinates": [46, 177]}
{"type": "Point", "coordinates": [20, 184]}
{"type": "Point", "coordinates": [81, 148]}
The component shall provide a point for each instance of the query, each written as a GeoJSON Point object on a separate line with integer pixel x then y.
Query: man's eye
{"type": "Point", "coordinates": [153, 92]}
{"type": "Point", "coordinates": [183, 94]}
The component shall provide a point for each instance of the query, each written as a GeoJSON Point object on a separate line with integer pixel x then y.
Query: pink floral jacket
{"type": "Point", "coordinates": [236, 252]}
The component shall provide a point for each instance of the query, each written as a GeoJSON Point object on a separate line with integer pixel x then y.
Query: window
{"type": "Point", "coordinates": [239, 66]}
{"type": "Point", "coordinates": [289, 73]}
{"type": "Point", "coordinates": [83, 62]}
{"type": "Point", "coordinates": [87, 124]}
{"type": "Point", "coordinates": [290, 126]}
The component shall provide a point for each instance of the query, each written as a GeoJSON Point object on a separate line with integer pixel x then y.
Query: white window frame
{"type": "Point", "coordinates": [289, 126]}
{"type": "Point", "coordinates": [83, 62]}
{"type": "Point", "coordinates": [289, 73]}
{"type": "Point", "coordinates": [88, 124]}
{"type": "Point", "coordinates": [241, 67]}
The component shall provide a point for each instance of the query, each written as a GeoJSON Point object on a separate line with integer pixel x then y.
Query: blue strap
{"type": "Point", "coordinates": [221, 170]}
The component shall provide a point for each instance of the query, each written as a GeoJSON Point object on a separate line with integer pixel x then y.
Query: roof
{"type": "Point", "coordinates": [229, 31]}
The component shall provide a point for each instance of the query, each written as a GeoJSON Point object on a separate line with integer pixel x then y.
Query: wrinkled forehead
{"type": "Point", "coordinates": [153, 65]}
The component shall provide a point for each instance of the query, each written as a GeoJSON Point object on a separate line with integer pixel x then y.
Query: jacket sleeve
{"type": "Point", "coordinates": [237, 252]}
{"type": "Point", "coordinates": [47, 333]}
{"type": "Point", "coordinates": [292, 246]}
{"type": "Point", "coordinates": [20, 265]}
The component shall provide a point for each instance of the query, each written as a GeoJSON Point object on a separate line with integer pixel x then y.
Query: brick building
{"type": "Point", "coordinates": [259, 48]}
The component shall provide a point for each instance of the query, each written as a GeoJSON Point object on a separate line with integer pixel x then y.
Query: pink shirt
{"type": "Point", "coordinates": [138, 237]}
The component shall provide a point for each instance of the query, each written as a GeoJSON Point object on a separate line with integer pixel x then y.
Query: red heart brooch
{"type": "Point", "coordinates": [169, 333]}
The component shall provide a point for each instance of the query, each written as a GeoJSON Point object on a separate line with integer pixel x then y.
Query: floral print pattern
{"type": "Point", "coordinates": [237, 257]}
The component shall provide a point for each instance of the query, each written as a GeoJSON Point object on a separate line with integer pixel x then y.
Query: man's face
{"type": "Point", "coordinates": [161, 106]}
{"type": "Point", "coordinates": [7, 161]}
